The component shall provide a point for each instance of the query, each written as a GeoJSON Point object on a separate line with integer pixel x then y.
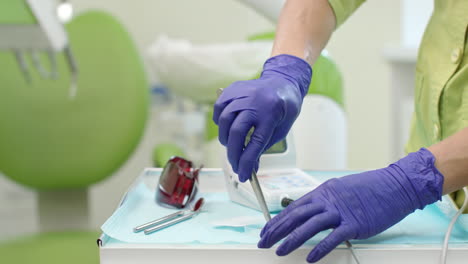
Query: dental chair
{"type": "Point", "coordinates": [59, 146]}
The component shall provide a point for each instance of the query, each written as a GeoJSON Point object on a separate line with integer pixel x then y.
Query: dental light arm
{"type": "Point", "coordinates": [34, 27]}
{"type": "Point", "coordinates": [270, 9]}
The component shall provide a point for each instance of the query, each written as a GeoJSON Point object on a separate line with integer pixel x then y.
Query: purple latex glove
{"type": "Point", "coordinates": [356, 206]}
{"type": "Point", "coordinates": [270, 104]}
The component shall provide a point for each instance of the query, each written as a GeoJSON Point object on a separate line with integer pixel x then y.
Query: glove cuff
{"type": "Point", "coordinates": [426, 180]}
{"type": "Point", "coordinates": [292, 68]}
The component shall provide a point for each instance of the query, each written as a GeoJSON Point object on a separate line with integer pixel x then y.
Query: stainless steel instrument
{"type": "Point", "coordinates": [256, 185]}
{"type": "Point", "coordinates": [171, 219]}
{"type": "Point", "coordinates": [259, 194]}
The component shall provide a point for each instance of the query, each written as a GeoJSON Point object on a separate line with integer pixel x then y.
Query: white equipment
{"type": "Point", "coordinates": [270, 9]}
{"type": "Point", "coordinates": [278, 176]}
{"type": "Point", "coordinates": [320, 134]}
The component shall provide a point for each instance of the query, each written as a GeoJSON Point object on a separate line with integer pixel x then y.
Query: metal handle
{"type": "Point", "coordinates": [72, 65]}
{"type": "Point", "coordinates": [259, 194]}
{"type": "Point", "coordinates": [255, 184]}
{"type": "Point", "coordinates": [53, 73]}
{"type": "Point", "coordinates": [157, 221]}
{"type": "Point", "coordinates": [169, 223]}
{"type": "Point", "coordinates": [22, 65]}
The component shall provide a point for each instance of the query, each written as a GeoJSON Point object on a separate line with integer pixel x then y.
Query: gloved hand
{"type": "Point", "coordinates": [271, 104]}
{"type": "Point", "coordinates": [356, 206]}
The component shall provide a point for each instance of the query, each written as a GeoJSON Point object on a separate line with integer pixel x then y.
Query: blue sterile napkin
{"type": "Point", "coordinates": [422, 227]}
{"type": "Point", "coordinates": [139, 207]}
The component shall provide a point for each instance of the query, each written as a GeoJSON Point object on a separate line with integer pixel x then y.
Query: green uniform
{"type": "Point", "coordinates": [441, 88]}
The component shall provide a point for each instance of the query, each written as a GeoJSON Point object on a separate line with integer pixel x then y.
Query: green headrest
{"type": "Point", "coordinates": [48, 140]}
{"type": "Point", "coordinates": [16, 12]}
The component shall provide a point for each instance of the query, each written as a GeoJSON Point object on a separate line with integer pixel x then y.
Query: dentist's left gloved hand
{"type": "Point", "coordinates": [356, 206]}
{"type": "Point", "coordinates": [270, 104]}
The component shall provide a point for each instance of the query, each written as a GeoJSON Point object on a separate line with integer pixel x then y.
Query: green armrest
{"type": "Point", "coordinates": [211, 129]}
{"type": "Point", "coordinates": [459, 199]}
{"type": "Point", "coordinates": [164, 151]}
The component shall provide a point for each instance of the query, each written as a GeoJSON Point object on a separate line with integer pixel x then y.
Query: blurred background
{"type": "Point", "coordinates": [374, 53]}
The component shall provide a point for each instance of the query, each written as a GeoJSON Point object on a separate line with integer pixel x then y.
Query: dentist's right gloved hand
{"type": "Point", "coordinates": [270, 104]}
{"type": "Point", "coordinates": [356, 206]}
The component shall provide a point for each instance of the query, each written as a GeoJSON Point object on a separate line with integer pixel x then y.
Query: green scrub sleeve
{"type": "Point", "coordinates": [344, 9]}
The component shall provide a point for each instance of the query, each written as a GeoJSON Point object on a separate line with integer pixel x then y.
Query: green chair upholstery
{"type": "Point", "coordinates": [164, 151]}
{"type": "Point", "coordinates": [327, 80]}
{"type": "Point", "coordinates": [15, 12]}
{"type": "Point", "coordinates": [264, 36]}
{"type": "Point", "coordinates": [51, 142]}
{"type": "Point", "coordinates": [57, 247]}
{"type": "Point", "coordinates": [211, 129]}
{"type": "Point", "coordinates": [459, 197]}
